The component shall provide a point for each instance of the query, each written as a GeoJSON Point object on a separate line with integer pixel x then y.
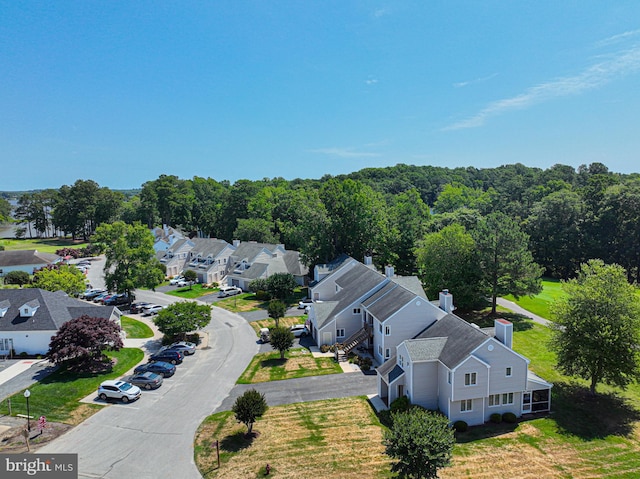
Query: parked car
{"type": "Point", "coordinates": [168, 356]}
{"type": "Point", "coordinates": [229, 291]}
{"type": "Point", "coordinates": [137, 307]}
{"type": "Point", "coordinates": [304, 304]}
{"type": "Point", "coordinates": [101, 297]}
{"type": "Point", "coordinates": [299, 330]}
{"type": "Point", "coordinates": [152, 309]}
{"type": "Point", "coordinates": [121, 390]}
{"type": "Point", "coordinates": [147, 380]}
{"type": "Point", "coordinates": [164, 369]}
{"type": "Point", "coordinates": [93, 293]}
{"type": "Point", "coordinates": [265, 335]}
{"type": "Point", "coordinates": [176, 279]}
{"type": "Point", "coordinates": [184, 282]}
{"type": "Point", "coordinates": [185, 347]}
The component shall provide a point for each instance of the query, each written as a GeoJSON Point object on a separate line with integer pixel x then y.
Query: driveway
{"type": "Point", "coordinates": [153, 437]}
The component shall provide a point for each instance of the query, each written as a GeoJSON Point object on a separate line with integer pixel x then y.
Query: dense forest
{"type": "Point", "coordinates": [567, 216]}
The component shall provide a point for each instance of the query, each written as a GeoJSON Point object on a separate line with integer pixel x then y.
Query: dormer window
{"type": "Point", "coordinates": [29, 309]}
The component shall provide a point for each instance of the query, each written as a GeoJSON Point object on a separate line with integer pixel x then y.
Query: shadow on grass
{"type": "Point", "coordinates": [486, 431]}
{"type": "Point", "coordinates": [578, 413]}
{"type": "Point", "coordinates": [273, 363]}
{"type": "Point", "coordinates": [237, 442]}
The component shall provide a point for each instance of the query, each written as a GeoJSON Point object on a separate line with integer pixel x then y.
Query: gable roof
{"type": "Point", "coordinates": [388, 300]}
{"type": "Point", "coordinates": [390, 370]}
{"type": "Point", "coordinates": [411, 283]}
{"type": "Point", "coordinates": [26, 258]}
{"type": "Point", "coordinates": [461, 339]}
{"type": "Point", "coordinates": [208, 246]}
{"type": "Point", "coordinates": [54, 310]}
{"type": "Point", "coordinates": [428, 349]}
{"type": "Point", "coordinates": [333, 265]}
{"type": "Point", "coordinates": [248, 250]}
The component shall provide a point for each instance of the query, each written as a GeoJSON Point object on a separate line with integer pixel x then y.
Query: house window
{"type": "Point", "coordinates": [387, 353]}
{"type": "Point", "coordinates": [494, 400]}
{"type": "Point", "coordinates": [470, 379]}
{"type": "Point", "coordinates": [401, 361]}
{"type": "Point", "coordinates": [508, 372]}
{"type": "Point", "coordinates": [380, 349]}
{"type": "Point", "coordinates": [340, 332]}
{"type": "Point", "coordinates": [507, 398]}
{"type": "Point", "coordinates": [387, 330]}
{"type": "Point", "coordinates": [380, 327]}
{"type": "Point", "coordinates": [466, 405]}
{"type": "Point", "coordinates": [449, 377]}
{"type": "Point", "coordinates": [356, 310]}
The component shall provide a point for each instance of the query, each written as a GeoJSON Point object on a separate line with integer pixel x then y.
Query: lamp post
{"type": "Point", "coordinates": [27, 393]}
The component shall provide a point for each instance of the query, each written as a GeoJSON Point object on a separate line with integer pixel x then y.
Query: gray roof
{"type": "Point", "coordinates": [461, 339]}
{"type": "Point", "coordinates": [390, 370]}
{"type": "Point", "coordinates": [208, 246]}
{"type": "Point", "coordinates": [354, 284]}
{"type": "Point", "coordinates": [390, 299]}
{"type": "Point", "coordinates": [425, 349]}
{"type": "Point", "coordinates": [54, 310]}
{"type": "Point", "coordinates": [248, 250]}
{"type": "Point", "coordinates": [294, 265]}
{"type": "Point", "coordinates": [26, 258]}
{"type": "Point", "coordinates": [256, 270]}
{"type": "Point", "coordinates": [411, 283]}
{"type": "Point", "coordinates": [333, 265]}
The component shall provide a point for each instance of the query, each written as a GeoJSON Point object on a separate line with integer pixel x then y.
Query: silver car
{"type": "Point", "coordinates": [118, 390]}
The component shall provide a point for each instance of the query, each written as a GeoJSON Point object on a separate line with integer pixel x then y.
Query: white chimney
{"type": "Point", "coordinates": [236, 243]}
{"type": "Point", "coordinates": [446, 301]}
{"type": "Point", "coordinates": [504, 331]}
{"type": "Point", "coordinates": [367, 260]}
{"type": "Point", "coordinates": [388, 271]}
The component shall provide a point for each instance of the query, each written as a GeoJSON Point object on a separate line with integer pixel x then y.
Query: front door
{"type": "Point", "coordinates": [400, 390]}
{"type": "Point", "coordinates": [326, 338]}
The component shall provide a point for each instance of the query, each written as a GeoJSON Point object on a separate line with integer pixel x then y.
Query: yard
{"type": "Point", "coordinates": [50, 245]}
{"type": "Point", "coordinates": [540, 303]}
{"type": "Point", "coordinates": [135, 329]}
{"type": "Point", "coordinates": [340, 439]}
{"type": "Point", "coordinates": [192, 292]}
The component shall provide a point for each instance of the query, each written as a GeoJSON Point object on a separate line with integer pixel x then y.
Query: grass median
{"type": "Point", "coordinates": [135, 329]}
{"type": "Point", "coordinates": [298, 363]}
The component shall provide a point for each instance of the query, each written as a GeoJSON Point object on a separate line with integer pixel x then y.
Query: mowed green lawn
{"type": "Point", "coordinates": [540, 303]}
{"type": "Point", "coordinates": [44, 245]}
{"type": "Point", "coordinates": [135, 329]}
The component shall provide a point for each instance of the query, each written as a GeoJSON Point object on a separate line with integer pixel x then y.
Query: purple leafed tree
{"type": "Point", "coordinates": [81, 342]}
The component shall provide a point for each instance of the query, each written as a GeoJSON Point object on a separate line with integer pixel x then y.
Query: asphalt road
{"type": "Point", "coordinates": [153, 437]}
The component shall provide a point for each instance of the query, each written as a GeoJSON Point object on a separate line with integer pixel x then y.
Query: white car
{"type": "Point", "coordinates": [176, 280]}
{"type": "Point", "coordinates": [305, 303]}
{"type": "Point", "coordinates": [299, 331]}
{"type": "Point", "coordinates": [152, 309]}
{"type": "Point", "coordinates": [229, 291]}
{"type": "Point", "coordinates": [118, 390]}
{"type": "Point", "coordinates": [184, 282]}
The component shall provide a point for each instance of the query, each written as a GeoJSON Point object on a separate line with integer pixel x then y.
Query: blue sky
{"type": "Point", "coordinates": [121, 92]}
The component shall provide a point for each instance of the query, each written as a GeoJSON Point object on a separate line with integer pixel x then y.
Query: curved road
{"type": "Point", "coordinates": [153, 437]}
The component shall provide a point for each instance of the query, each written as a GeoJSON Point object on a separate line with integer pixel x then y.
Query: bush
{"type": "Point", "coordinates": [400, 404]}
{"type": "Point", "coordinates": [460, 426]}
{"type": "Point", "coordinates": [17, 277]}
{"type": "Point", "coordinates": [262, 296]}
{"type": "Point", "coordinates": [496, 418]}
{"type": "Point", "coordinates": [325, 348]}
{"type": "Point", "coordinates": [509, 418]}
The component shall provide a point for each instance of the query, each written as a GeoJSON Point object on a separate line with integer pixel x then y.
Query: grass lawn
{"type": "Point", "coordinates": [298, 363]}
{"type": "Point", "coordinates": [287, 322]}
{"type": "Point", "coordinates": [540, 303]}
{"type": "Point", "coordinates": [195, 291]}
{"type": "Point", "coordinates": [241, 303]}
{"type": "Point", "coordinates": [339, 438]}
{"type": "Point", "coordinates": [135, 329]}
{"type": "Point", "coordinates": [50, 245]}
{"type": "Point", "coordinates": [57, 395]}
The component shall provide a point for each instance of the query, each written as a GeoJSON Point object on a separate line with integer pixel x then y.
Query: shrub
{"type": "Point", "coordinates": [496, 418]}
{"type": "Point", "coordinates": [262, 295]}
{"type": "Point", "coordinates": [400, 404]}
{"type": "Point", "coordinates": [509, 418]}
{"type": "Point", "coordinates": [325, 348]}
{"type": "Point", "coordinates": [460, 426]}
{"type": "Point", "coordinates": [365, 363]}
{"type": "Point", "coordinates": [17, 277]}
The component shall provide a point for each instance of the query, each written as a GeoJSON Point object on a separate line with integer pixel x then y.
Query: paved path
{"type": "Point", "coordinates": [520, 310]}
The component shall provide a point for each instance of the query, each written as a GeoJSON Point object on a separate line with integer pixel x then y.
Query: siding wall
{"type": "Point", "coordinates": [424, 379]}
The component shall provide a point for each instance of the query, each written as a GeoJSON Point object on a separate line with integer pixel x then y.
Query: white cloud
{"type": "Point", "coordinates": [621, 64]}
{"type": "Point", "coordinates": [381, 12]}
{"type": "Point", "coordinates": [371, 81]}
{"type": "Point", "coordinates": [342, 152]}
{"type": "Point", "coordinates": [471, 82]}
{"type": "Point", "coordinates": [617, 38]}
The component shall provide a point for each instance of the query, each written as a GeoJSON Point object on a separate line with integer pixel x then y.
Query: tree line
{"type": "Point", "coordinates": [569, 215]}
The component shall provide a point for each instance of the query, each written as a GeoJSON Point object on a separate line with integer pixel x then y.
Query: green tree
{"type": "Point", "coordinates": [597, 326]}
{"type": "Point", "coordinates": [191, 276]}
{"type": "Point", "coordinates": [421, 442]}
{"type": "Point", "coordinates": [446, 260]}
{"type": "Point", "coordinates": [130, 257]}
{"type": "Point", "coordinates": [249, 407]}
{"type": "Point", "coordinates": [258, 284]}
{"type": "Point", "coordinates": [281, 285]}
{"type": "Point", "coordinates": [178, 319]}
{"type": "Point", "coordinates": [276, 310]}
{"type": "Point", "coordinates": [281, 339]}
{"type": "Point", "coordinates": [65, 278]}
{"type": "Point", "coordinates": [17, 277]}
{"type": "Point", "coordinates": [255, 229]}
{"type": "Point", "coordinates": [505, 262]}
{"type": "Point", "coordinates": [5, 210]}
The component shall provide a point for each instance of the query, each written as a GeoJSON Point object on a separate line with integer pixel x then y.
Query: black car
{"type": "Point", "coordinates": [166, 370]}
{"type": "Point", "coordinates": [116, 300]}
{"type": "Point", "coordinates": [168, 356]}
{"type": "Point", "coordinates": [147, 380]}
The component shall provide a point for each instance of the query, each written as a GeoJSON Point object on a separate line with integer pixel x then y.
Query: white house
{"type": "Point", "coordinates": [208, 257]}
{"type": "Point", "coordinates": [251, 260]}
{"type": "Point", "coordinates": [29, 317]}
{"type": "Point", "coordinates": [463, 371]}
{"type": "Point", "coordinates": [25, 260]}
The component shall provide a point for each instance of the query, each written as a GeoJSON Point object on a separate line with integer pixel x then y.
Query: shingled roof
{"type": "Point", "coordinates": [54, 309]}
{"type": "Point", "coordinates": [26, 258]}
